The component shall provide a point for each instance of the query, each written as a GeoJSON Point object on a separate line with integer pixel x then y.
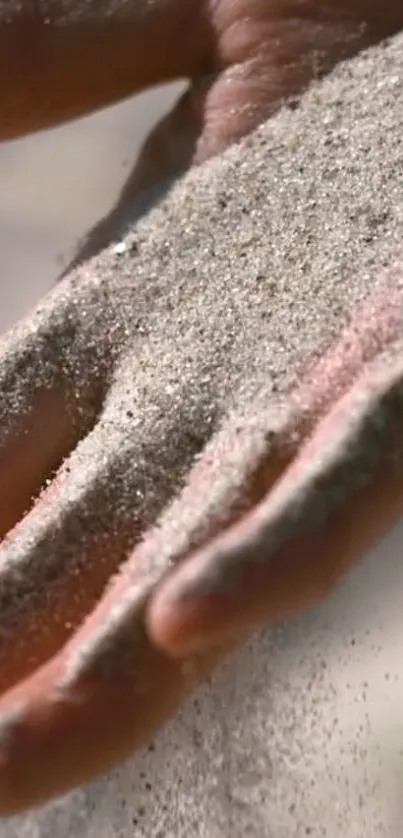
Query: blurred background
{"type": "Point", "coordinates": [55, 185]}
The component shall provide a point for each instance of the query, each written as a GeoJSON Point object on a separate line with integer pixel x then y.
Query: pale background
{"type": "Point", "coordinates": [305, 726]}
{"type": "Point", "coordinates": [56, 184]}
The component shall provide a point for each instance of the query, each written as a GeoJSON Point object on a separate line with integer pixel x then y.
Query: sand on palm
{"type": "Point", "coordinates": [243, 276]}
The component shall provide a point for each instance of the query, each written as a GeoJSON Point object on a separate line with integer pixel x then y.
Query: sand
{"type": "Point", "coordinates": [214, 303]}
{"type": "Point", "coordinates": [89, 160]}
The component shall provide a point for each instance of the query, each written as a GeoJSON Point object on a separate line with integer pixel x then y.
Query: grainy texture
{"type": "Point", "coordinates": [224, 295]}
{"type": "Point", "coordinates": [239, 280]}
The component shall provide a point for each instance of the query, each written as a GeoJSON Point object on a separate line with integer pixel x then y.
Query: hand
{"type": "Point", "coordinates": [171, 402]}
{"type": "Point", "coordinates": [243, 58]}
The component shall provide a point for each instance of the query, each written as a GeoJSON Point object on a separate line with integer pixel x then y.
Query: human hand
{"type": "Point", "coordinates": [172, 400]}
{"type": "Point", "coordinates": [242, 58]}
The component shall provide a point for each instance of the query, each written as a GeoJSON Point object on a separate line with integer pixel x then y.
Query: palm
{"type": "Point", "coordinates": [165, 390]}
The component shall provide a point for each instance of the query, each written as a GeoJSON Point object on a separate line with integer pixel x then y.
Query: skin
{"type": "Point", "coordinates": [243, 59]}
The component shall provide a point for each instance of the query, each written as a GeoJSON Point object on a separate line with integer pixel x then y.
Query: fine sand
{"type": "Point", "coordinates": [278, 240]}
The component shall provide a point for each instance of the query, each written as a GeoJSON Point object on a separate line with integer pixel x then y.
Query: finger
{"type": "Point", "coordinates": [59, 728]}
{"type": "Point", "coordinates": [55, 564]}
{"type": "Point", "coordinates": [46, 402]}
{"type": "Point", "coordinates": [294, 547]}
{"type": "Point", "coordinates": [80, 707]}
{"type": "Point", "coordinates": [267, 54]}
{"type": "Point", "coordinates": [52, 66]}
{"type": "Point", "coordinates": [254, 64]}
{"type": "Point", "coordinates": [56, 66]}
{"type": "Point", "coordinates": [373, 330]}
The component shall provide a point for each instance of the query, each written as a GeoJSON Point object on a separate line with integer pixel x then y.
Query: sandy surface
{"type": "Point", "coordinates": [301, 733]}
